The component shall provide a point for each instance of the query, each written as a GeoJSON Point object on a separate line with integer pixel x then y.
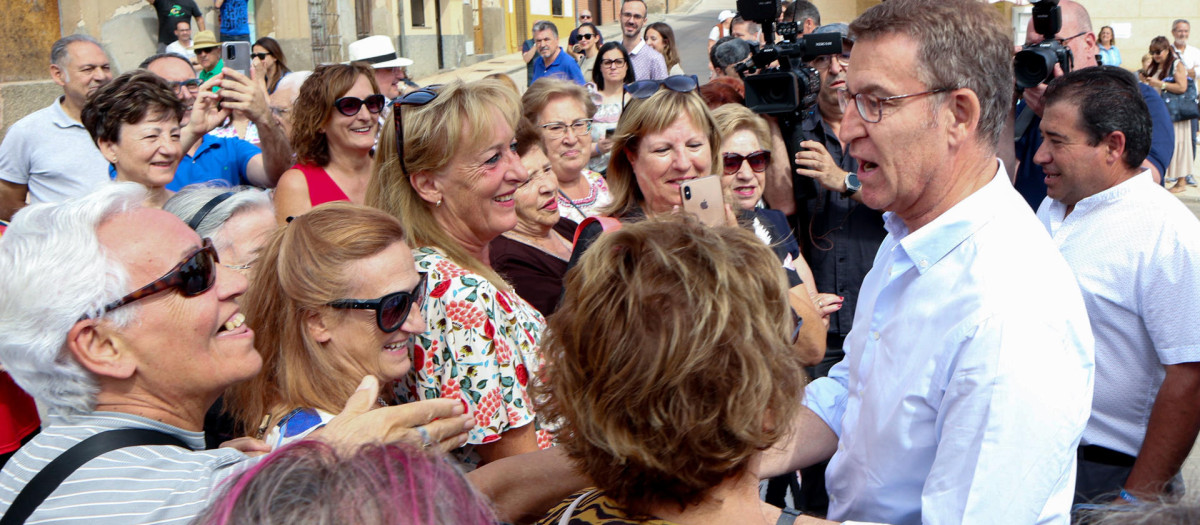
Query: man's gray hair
{"type": "Point", "coordinates": [545, 25]}
{"type": "Point", "coordinates": [293, 81]}
{"type": "Point", "coordinates": [55, 271]}
{"type": "Point", "coordinates": [960, 44]}
{"type": "Point", "coordinates": [731, 52]}
{"type": "Point", "coordinates": [802, 10]}
{"type": "Point", "coordinates": [1178, 21]}
{"type": "Point", "coordinates": [58, 51]}
{"type": "Point", "coordinates": [188, 202]}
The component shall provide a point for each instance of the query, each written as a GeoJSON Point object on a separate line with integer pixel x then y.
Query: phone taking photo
{"type": "Point", "coordinates": [236, 56]}
{"type": "Point", "coordinates": [703, 198]}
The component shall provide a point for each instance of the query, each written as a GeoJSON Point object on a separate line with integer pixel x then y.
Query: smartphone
{"type": "Point", "coordinates": [236, 56]}
{"type": "Point", "coordinates": [702, 197]}
{"type": "Point", "coordinates": [608, 133]}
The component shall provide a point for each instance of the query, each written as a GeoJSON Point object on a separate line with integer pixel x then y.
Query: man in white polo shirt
{"type": "Point", "coordinates": [32, 163]}
{"type": "Point", "coordinates": [1106, 215]}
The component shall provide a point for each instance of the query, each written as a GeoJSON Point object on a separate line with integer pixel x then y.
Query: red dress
{"type": "Point", "coordinates": [321, 187]}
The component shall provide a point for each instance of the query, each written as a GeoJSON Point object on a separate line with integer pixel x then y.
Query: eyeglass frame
{"type": "Point", "coordinates": [173, 279]}
{"type": "Point", "coordinates": [567, 128]}
{"type": "Point", "coordinates": [191, 84]}
{"type": "Point", "coordinates": [828, 59]}
{"type": "Point", "coordinates": [361, 103]}
{"type": "Point", "coordinates": [398, 123]}
{"type": "Point", "coordinates": [611, 62]}
{"type": "Point", "coordinates": [844, 97]}
{"type": "Point", "coordinates": [416, 297]}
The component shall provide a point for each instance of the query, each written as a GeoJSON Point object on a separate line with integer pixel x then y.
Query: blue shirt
{"type": "Point", "coordinates": [1031, 180]}
{"type": "Point", "coordinates": [234, 18]}
{"type": "Point", "coordinates": [1110, 56]}
{"type": "Point", "coordinates": [563, 67]}
{"type": "Point", "coordinates": [218, 158]}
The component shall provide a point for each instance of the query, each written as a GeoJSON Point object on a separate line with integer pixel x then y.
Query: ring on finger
{"type": "Point", "coordinates": [426, 439]}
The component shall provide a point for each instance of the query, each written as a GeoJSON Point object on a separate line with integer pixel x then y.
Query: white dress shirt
{"type": "Point", "coordinates": [968, 374]}
{"type": "Point", "coordinates": [1131, 247]}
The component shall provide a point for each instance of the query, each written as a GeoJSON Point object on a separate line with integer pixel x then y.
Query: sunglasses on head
{"type": "Point", "coordinates": [260, 56]}
{"type": "Point", "coordinates": [390, 310]}
{"type": "Point", "coordinates": [758, 161]}
{"type": "Point", "coordinates": [350, 106]}
{"type": "Point", "coordinates": [419, 97]}
{"type": "Point", "coordinates": [678, 83]}
{"type": "Point", "coordinates": [194, 275]}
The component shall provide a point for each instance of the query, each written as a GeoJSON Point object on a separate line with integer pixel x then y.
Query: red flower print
{"type": "Point", "coordinates": [449, 270]}
{"type": "Point", "coordinates": [502, 298]}
{"type": "Point", "coordinates": [522, 374]}
{"type": "Point", "coordinates": [465, 314]}
{"type": "Point", "coordinates": [487, 408]}
{"type": "Point", "coordinates": [440, 289]}
{"type": "Point", "coordinates": [489, 330]}
{"type": "Point", "coordinates": [418, 357]}
{"type": "Point", "coordinates": [491, 439]}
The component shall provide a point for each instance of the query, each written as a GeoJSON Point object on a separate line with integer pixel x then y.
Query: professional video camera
{"type": "Point", "coordinates": [792, 86]}
{"type": "Point", "coordinates": [1034, 64]}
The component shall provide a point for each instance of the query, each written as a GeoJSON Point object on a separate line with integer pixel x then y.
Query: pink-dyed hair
{"type": "Point", "coordinates": [309, 482]}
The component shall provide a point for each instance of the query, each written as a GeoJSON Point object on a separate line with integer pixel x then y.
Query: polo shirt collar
{"type": "Point", "coordinates": [59, 116]}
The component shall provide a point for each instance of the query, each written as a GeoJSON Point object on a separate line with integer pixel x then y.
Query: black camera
{"type": "Point", "coordinates": [1034, 64]}
{"type": "Point", "coordinates": [792, 86]}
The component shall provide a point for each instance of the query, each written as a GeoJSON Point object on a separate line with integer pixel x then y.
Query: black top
{"type": "Point", "coordinates": [171, 12]}
{"type": "Point", "coordinates": [536, 275]}
{"type": "Point", "coordinates": [840, 235]}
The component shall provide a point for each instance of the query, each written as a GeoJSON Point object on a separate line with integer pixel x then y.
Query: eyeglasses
{"type": "Point", "coordinates": [350, 106]}
{"type": "Point", "coordinates": [260, 56]}
{"type": "Point", "coordinates": [1063, 41]}
{"type": "Point", "coordinates": [586, 36]}
{"type": "Point", "coordinates": [823, 61]}
{"type": "Point", "coordinates": [191, 84]}
{"type": "Point", "coordinates": [758, 161]}
{"type": "Point", "coordinates": [390, 310]}
{"type": "Point", "coordinates": [192, 276]}
{"type": "Point", "coordinates": [419, 97]}
{"type": "Point", "coordinates": [678, 83]}
{"type": "Point", "coordinates": [558, 130]}
{"type": "Point", "coordinates": [634, 16]}
{"type": "Point", "coordinates": [870, 107]}
{"type": "Point", "coordinates": [585, 17]}
{"type": "Point", "coordinates": [612, 63]}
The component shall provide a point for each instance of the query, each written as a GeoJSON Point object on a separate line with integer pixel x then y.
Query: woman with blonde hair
{"type": "Point", "coordinates": [446, 167]}
{"type": "Point", "coordinates": [668, 368]}
{"type": "Point", "coordinates": [561, 111]}
{"type": "Point", "coordinates": [334, 297]}
{"type": "Point", "coordinates": [334, 123]}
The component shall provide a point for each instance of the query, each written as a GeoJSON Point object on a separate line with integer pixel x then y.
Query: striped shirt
{"type": "Point", "coordinates": [144, 484]}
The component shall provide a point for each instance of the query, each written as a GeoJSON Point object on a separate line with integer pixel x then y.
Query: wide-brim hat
{"type": "Point", "coordinates": [378, 51]}
{"type": "Point", "coordinates": [204, 40]}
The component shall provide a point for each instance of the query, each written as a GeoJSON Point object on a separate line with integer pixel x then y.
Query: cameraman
{"type": "Point", "coordinates": [1076, 35]}
{"type": "Point", "coordinates": [838, 233]}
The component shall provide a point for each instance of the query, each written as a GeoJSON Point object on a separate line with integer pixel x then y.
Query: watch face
{"type": "Point", "coordinates": [852, 182]}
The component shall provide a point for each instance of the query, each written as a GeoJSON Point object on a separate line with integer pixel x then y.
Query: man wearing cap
{"type": "Point", "coordinates": [390, 72]}
{"type": "Point", "coordinates": [208, 53]}
{"type": "Point", "coordinates": [169, 13]}
{"type": "Point", "coordinates": [554, 61]}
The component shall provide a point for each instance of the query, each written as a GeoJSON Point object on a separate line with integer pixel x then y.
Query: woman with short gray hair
{"type": "Point", "coordinates": [239, 220]}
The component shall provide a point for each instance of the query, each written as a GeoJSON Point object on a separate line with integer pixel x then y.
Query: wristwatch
{"type": "Point", "coordinates": [852, 185]}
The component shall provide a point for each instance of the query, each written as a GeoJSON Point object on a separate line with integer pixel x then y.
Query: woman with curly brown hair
{"type": "Point", "coordinates": [334, 123]}
{"type": "Point", "coordinates": [669, 370]}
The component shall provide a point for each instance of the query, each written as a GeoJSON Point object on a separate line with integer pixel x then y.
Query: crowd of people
{"type": "Point", "coordinates": [338, 296]}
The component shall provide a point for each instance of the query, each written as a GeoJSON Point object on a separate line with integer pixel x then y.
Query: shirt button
{"type": "Point", "coordinates": [924, 264]}
{"type": "Point", "coordinates": [875, 335]}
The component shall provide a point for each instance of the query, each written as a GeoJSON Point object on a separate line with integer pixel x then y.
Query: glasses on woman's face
{"type": "Point", "coordinates": [612, 63]}
{"type": "Point", "coordinates": [586, 36]}
{"type": "Point", "coordinates": [391, 310]}
{"type": "Point", "coordinates": [758, 161]}
{"type": "Point", "coordinates": [260, 56]}
{"type": "Point", "coordinates": [350, 106]}
{"type": "Point", "coordinates": [558, 130]}
{"type": "Point", "coordinates": [419, 97]}
{"type": "Point", "coordinates": [194, 275]}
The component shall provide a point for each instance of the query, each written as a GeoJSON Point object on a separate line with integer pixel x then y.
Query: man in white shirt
{"type": "Point", "coordinates": [1107, 216]}
{"type": "Point", "coordinates": [967, 379]}
{"type": "Point", "coordinates": [1180, 29]}
{"type": "Point", "coordinates": [48, 156]}
{"type": "Point", "coordinates": [183, 42]}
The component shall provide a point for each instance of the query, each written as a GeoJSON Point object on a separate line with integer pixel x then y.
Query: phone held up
{"type": "Point", "coordinates": [236, 56]}
{"type": "Point", "coordinates": [702, 197]}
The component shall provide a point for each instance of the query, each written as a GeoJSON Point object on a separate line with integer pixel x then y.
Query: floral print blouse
{"type": "Point", "coordinates": [481, 348]}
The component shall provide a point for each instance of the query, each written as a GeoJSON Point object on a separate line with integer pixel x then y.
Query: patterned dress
{"type": "Point", "coordinates": [481, 348]}
{"type": "Point", "coordinates": [579, 209]}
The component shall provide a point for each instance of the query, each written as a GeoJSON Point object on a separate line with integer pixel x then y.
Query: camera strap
{"type": "Point", "coordinates": [1022, 123]}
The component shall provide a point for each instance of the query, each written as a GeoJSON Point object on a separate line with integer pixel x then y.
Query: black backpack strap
{"type": "Point", "coordinates": [53, 474]}
{"type": "Point", "coordinates": [788, 517]}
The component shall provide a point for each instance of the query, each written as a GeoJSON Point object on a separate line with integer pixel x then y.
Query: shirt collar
{"type": "Point", "coordinates": [932, 242]}
{"type": "Point", "coordinates": [59, 115]}
{"type": "Point", "coordinates": [1058, 210]}
{"type": "Point", "coordinates": [636, 49]}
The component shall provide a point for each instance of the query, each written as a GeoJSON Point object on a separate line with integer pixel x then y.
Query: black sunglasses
{"type": "Point", "coordinates": [758, 161]}
{"type": "Point", "coordinates": [260, 56]}
{"type": "Point", "coordinates": [419, 97]}
{"type": "Point", "coordinates": [390, 310]}
{"type": "Point", "coordinates": [586, 36]}
{"type": "Point", "coordinates": [350, 106]}
{"type": "Point", "coordinates": [194, 275]}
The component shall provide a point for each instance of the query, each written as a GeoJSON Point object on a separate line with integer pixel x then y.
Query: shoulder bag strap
{"type": "Point", "coordinates": [56, 471]}
{"type": "Point", "coordinates": [788, 517]}
{"type": "Point", "coordinates": [567, 514]}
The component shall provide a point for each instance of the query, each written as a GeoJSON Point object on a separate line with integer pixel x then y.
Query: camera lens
{"type": "Point", "coordinates": [1034, 65]}
{"type": "Point", "coordinates": [687, 193]}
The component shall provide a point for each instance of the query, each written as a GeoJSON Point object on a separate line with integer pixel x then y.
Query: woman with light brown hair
{"type": "Point", "coordinates": [1167, 73]}
{"type": "Point", "coordinates": [668, 367]}
{"type": "Point", "coordinates": [334, 123]}
{"type": "Point", "coordinates": [334, 297]}
{"type": "Point", "coordinates": [561, 112]}
{"type": "Point", "coordinates": [452, 183]}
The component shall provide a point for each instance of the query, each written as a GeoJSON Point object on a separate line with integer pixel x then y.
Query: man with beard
{"type": "Point", "coordinates": [31, 161]}
{"type": "Point", "coordinates": [648, 64]}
